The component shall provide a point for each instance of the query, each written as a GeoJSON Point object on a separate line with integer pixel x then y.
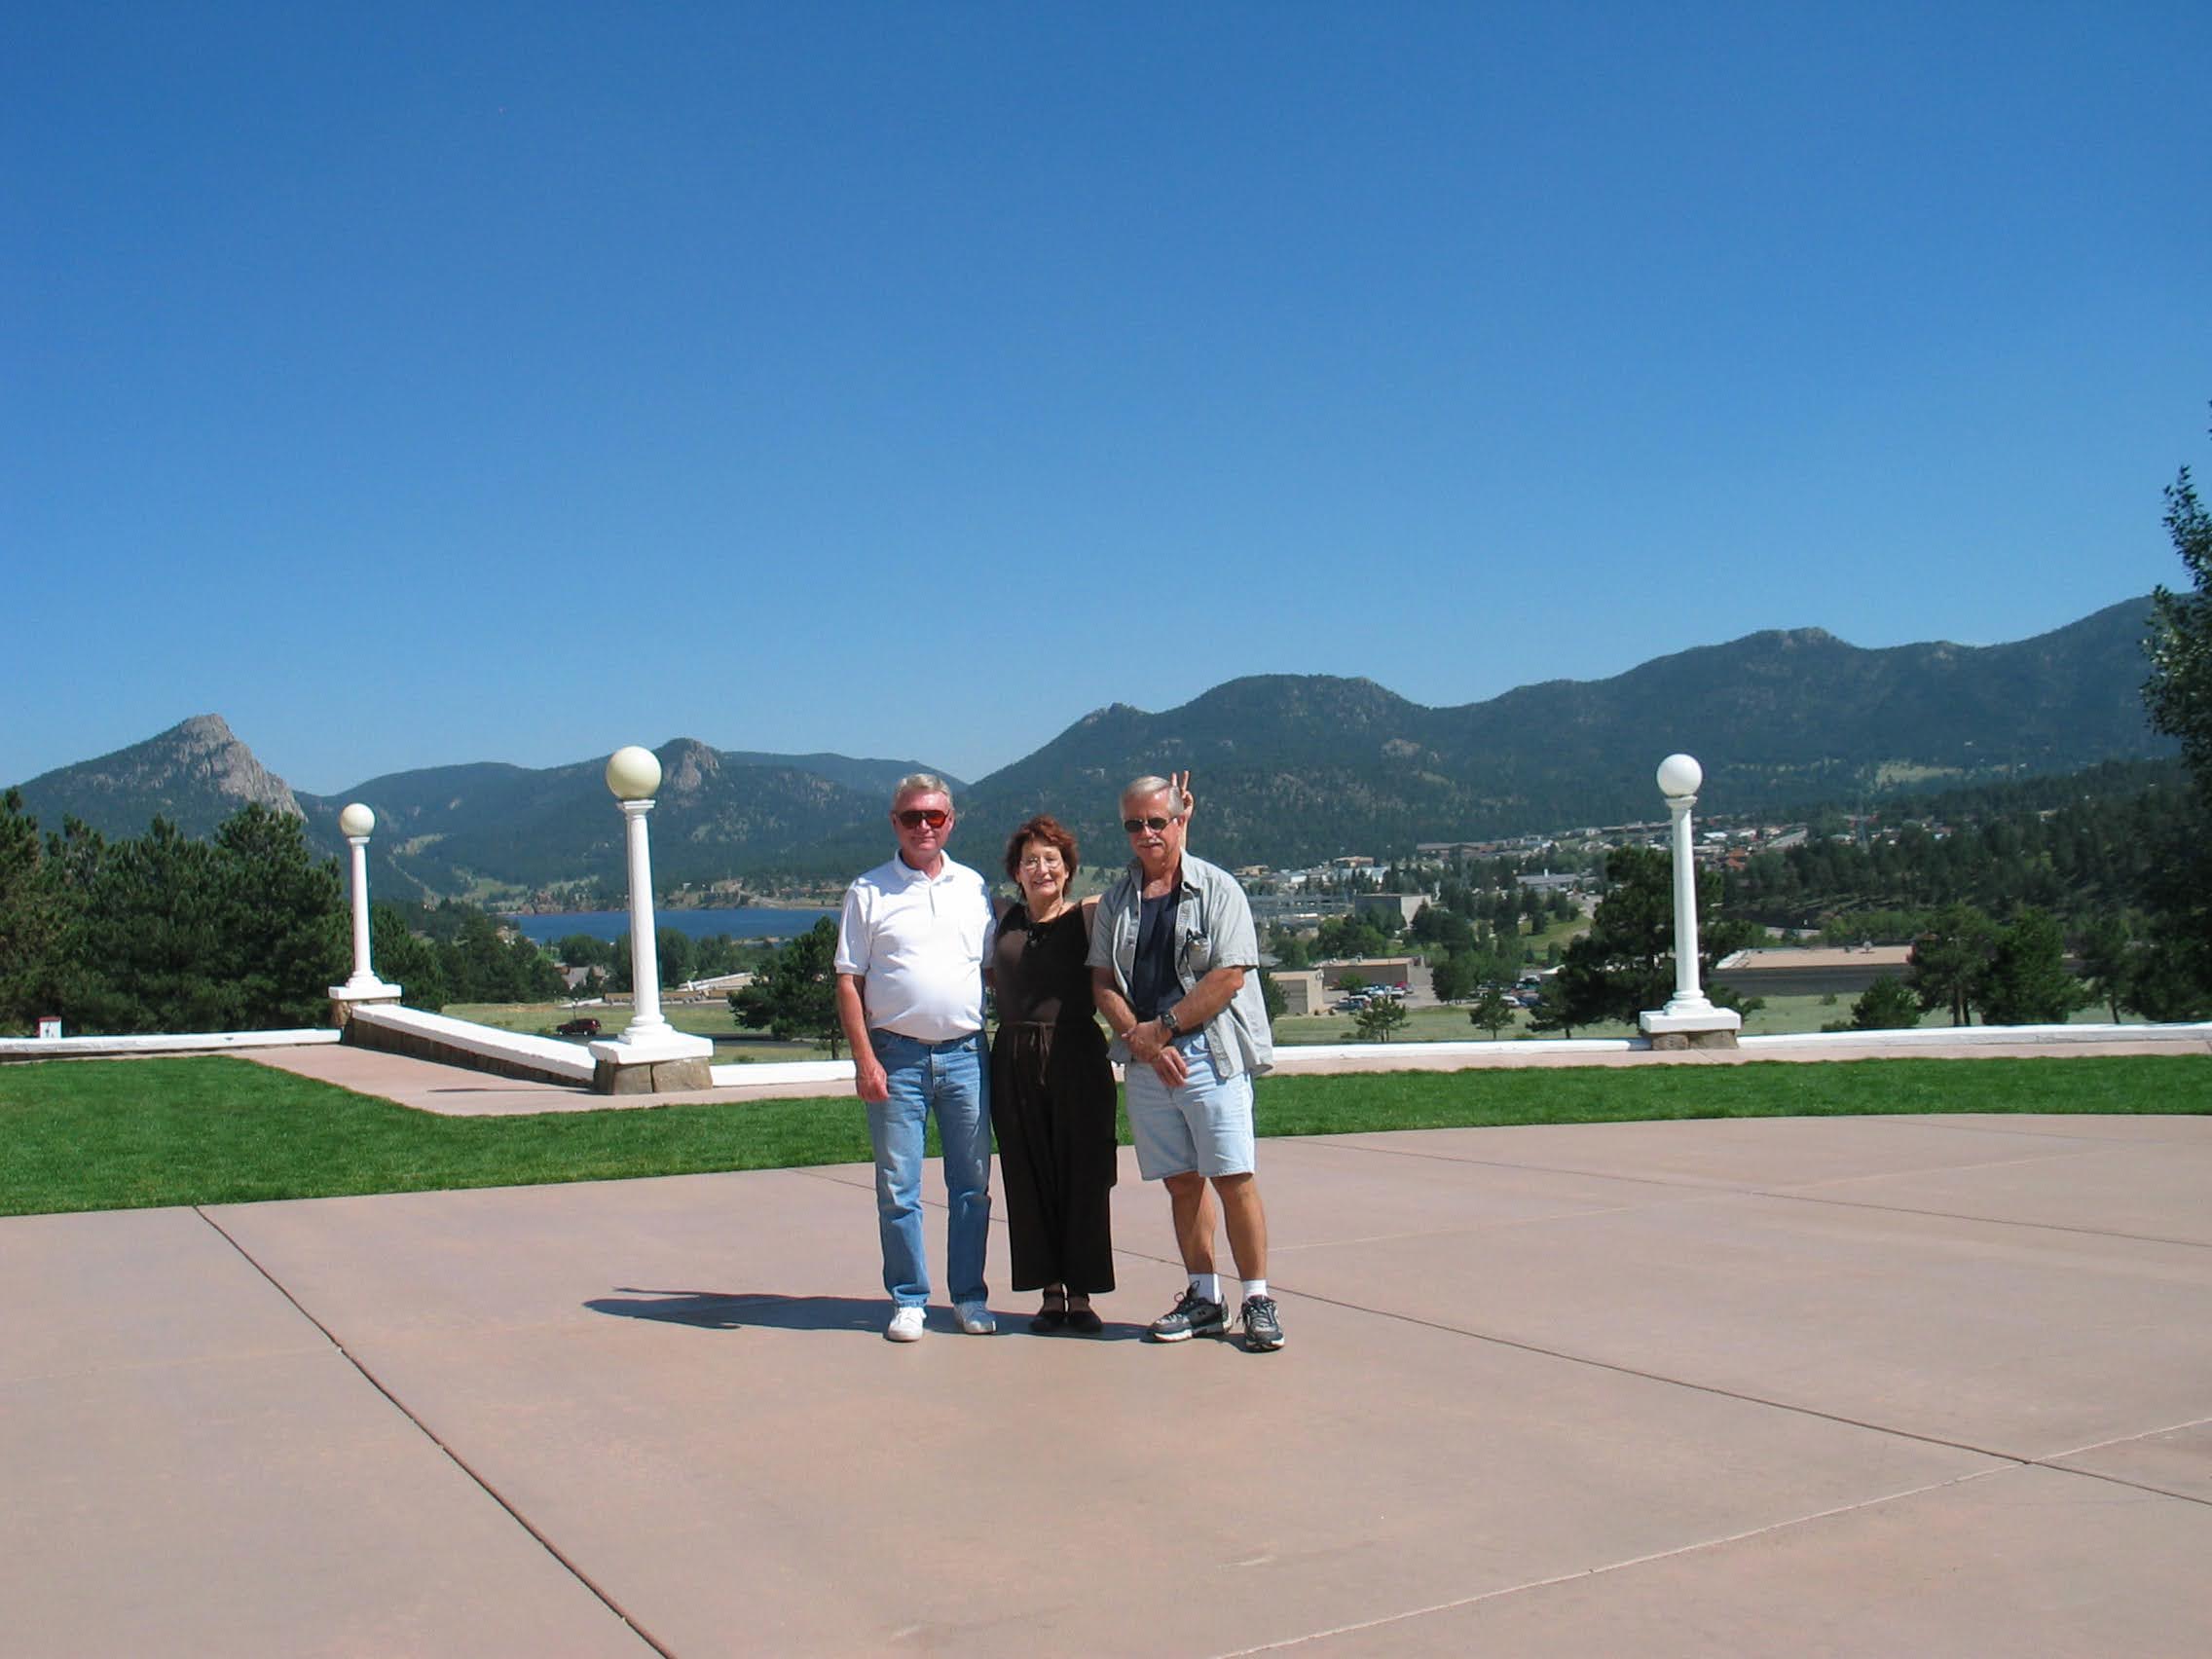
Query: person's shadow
{"type": "Point", "coordinates": [733, 1310]}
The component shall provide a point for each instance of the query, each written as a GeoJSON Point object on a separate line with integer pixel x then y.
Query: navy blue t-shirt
{"type": "Point", "coordinates": [1153, 986]}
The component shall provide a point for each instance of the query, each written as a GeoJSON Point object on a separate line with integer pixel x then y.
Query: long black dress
{"type": "Point", "coordinates": [1053, 1105]}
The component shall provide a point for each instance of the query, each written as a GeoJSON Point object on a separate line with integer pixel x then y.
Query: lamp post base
{"type": "Point", "coordinates": [1684, 1027]}
{"type": "Point", "coordinates": [346, 998]}
{"type": "Point", "coordinates": [655, 1065]}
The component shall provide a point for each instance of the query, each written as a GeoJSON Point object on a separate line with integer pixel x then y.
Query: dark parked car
{"type": "Point", "coordinates": [585, 1027]}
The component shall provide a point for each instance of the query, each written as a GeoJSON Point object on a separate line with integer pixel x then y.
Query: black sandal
{"type": "Point", "coordinates": [1048, 1317]}
{"type": "Point", "coordinates": [1084, 1322]}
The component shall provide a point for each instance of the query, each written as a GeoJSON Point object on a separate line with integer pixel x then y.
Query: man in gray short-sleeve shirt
{"type": "Point", "coordinates": [1175, 961]}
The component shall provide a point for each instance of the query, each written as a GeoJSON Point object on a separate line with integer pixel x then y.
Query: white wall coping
{"type": "Point", "coordinates": [163, 1042]}
{"type": "Point", "coordinates": [1292, 1058]}
{"type": "Point", "coordinates": [1329, 1056]}
{"type": "Point", "coordinates": [782, 1074]}
{"type": "Point", "coordinates": [544, 1054]}
{"type": "Point", "coordinates": [566, 1059]}
{"type": "Point", "coordinates": [1971, 1036]}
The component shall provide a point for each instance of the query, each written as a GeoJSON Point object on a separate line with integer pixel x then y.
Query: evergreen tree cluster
{"type": "Point", "coordinates": [793, 994]}
{"type": "Point", "coordinates": [1624, 963]}
{"type": "Point", "coordinates": [2014, 975]}
{"type": "Point", "coordinates": [461, 954]}
{"type": "Point", "coordinates": [246, 931]}
{"type": "Point", "coordinates": [2076, 861]}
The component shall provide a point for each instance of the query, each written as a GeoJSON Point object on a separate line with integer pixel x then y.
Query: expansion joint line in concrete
{"type": "Point", "coordinates": [1805, 1198]}
{"type": "Point", "coordinates": [1802, 1195]}
{"type": "Point", "coordinates": [2013, 1459]}
{"type": "Point", "coordinates": [1604, 1568]}
{"type": "Point", "coordinates": [455, 1459]}
{"type": "Point", "coordinates": [1787, 1523]}
{"type": "Point", "coordinates": [1941, 1121]}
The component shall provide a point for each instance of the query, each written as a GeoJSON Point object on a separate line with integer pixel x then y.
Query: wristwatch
{"type": "Point", "coordinates": [1167, 1023]}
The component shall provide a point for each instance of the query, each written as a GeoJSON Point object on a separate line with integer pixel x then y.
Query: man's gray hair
{"type": "Point", "coordinates": [1147, 785]}
{"type": "Point", "coordinates": [920, 783]}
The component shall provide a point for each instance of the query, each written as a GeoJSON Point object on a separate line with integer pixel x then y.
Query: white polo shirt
{"type": "Point", "coordinates": [919, 943]}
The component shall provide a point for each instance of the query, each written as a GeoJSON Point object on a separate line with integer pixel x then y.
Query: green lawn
{"type": "Point", "coordinates": [119, 1134]}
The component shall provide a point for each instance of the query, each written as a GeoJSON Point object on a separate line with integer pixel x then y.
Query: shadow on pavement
{"type": "Point", "coordinates": [733, 1310]}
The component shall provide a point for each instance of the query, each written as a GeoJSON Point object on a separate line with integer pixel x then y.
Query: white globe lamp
{"type": "Point", "coordinates": [633, 773]}
{"type": "Point", "coordinates": [1680, 775]}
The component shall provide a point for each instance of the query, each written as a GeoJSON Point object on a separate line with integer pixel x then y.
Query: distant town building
{"type": "Point", "coordinates": [1403, 906]}
{"type": "Point", "coordinates": [1446, 852]}
{"type": "Point", "coordinates": [1570, 881]}
{"type": "Point", "coordinates": [1301, 990]}
{"type": "Point", "coordinates": [1395, 971]}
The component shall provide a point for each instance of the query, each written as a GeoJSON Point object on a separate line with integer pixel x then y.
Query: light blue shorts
{"type": "Point", "coordinates": [1204, 1127]}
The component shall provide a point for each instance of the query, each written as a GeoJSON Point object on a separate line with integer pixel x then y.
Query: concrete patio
{"type": "Point", "coordinates": [1912, 1386]}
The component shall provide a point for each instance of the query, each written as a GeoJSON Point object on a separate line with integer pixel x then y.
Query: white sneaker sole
{"type": "Point", "coordinates": [1186, 1336]}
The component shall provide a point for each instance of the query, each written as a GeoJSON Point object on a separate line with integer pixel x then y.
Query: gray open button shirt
{"type": "Point", "coordinates": [1213, 929]}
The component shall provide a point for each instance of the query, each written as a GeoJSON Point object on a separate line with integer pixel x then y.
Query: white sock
{"type": "Point", "coordinates": [1255, 1287]}
{"type": "Point", "coordinates": [1207, 1285]}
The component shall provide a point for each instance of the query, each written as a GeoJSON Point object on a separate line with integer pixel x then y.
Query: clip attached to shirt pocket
{"type": "Point", "coordinates": [1193, 954]}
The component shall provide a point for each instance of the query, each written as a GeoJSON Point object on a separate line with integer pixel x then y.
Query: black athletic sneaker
{"type": "Point", "coordinates": [1263, 1331]}
{"type": "Point", "coordinates": [1193, 1317]}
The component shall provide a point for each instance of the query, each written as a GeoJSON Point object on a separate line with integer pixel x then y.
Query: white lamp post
{"type": "Point", "coordinates": [633, 774]}
{"type": "Point", "coordinates": [1690, 1016]}
{"type": "Point", "coordinates": [651, 1054]}
{"type": "Point", "coordinates": [357, 822]}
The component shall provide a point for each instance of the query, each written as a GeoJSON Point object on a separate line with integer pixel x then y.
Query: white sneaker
{"type": "Point", "coordinates": [908, 1325]}
{"type": "Point", "coordinates": [977, 1319]}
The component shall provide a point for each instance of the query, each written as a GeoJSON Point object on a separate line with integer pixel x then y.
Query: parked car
{"type": "Point", "coordinates": [584, 1027]}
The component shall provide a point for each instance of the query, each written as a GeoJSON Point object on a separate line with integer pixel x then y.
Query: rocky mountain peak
{"type": "Point", "coordinates": [201, 754]}
{"type": "Point", "coordinates": [196, 774]}
{"type": "Point", "coordinates": [687, 766]}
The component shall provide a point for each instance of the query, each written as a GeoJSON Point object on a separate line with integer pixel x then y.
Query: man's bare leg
{"type": "Point", "coordinates": [1192, 1206]}
{"type": "Point", "coordinates": [1247, 1224]}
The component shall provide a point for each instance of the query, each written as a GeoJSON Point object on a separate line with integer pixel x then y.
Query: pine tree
{"type": "Point", "coordinates": [2027, 982]}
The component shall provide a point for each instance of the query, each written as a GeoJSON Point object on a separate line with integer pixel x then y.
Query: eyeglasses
{"type": "Point", "coordinates": [1043, 861]}
{"type": "Point", "coordinates": [915, 817]}
{"type": "Point", "coordinates": [1136, 826]}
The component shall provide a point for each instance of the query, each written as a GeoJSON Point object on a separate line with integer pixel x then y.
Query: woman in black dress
{"type": "Point", "coordinates": [1052, 1091]}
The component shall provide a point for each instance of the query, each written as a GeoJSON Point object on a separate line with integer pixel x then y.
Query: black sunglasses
{"type": "Point", "coordinates": [915, 817]}
{"type": "Point", "coordinates": [1131, 826]}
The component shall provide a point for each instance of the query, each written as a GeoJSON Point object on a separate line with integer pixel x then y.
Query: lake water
{"type": "Point", "coordinates": [744, 921]}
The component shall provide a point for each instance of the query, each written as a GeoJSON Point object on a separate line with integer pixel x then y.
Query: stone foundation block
{"type": "Point", "coordinates": [652, 1076]}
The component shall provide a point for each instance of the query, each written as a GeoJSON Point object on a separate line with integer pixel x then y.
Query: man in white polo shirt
{"type": "Point", "coordinates": [911, 947]}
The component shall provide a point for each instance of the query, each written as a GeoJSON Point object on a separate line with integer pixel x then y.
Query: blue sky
{"type": "Point", "coordinates": [414, 385]}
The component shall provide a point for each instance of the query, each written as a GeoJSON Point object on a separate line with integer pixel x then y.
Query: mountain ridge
{"type": "Point", "coordinates": [1291, 767]}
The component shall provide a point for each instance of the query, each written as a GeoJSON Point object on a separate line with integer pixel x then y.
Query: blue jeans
{"type": "Point", "coordinates": [951, 1079]}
